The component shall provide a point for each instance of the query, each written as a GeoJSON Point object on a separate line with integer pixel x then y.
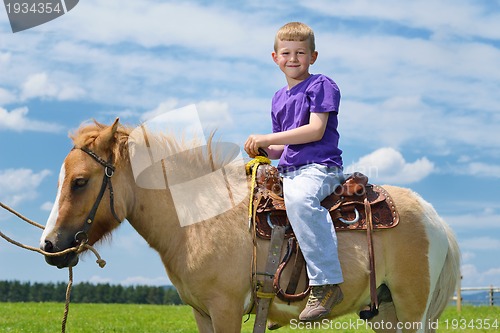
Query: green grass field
{"type": "Point", "coordinates": [93, 318]}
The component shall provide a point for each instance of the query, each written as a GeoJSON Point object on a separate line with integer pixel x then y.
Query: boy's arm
{"type": "Point", "coordinates": [274, 151]}
{"type": "Point", "coordinates": [311, 132]}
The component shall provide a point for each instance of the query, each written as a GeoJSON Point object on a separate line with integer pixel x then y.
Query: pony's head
{"type": "Point", "coordinates": [91, 194]}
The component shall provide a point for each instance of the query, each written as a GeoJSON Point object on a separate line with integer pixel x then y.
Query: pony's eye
{"type": "Point", "coordinates": [79, 183]}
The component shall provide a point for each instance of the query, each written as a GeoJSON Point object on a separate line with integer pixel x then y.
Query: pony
{"type": "Point", "coordinates": [210, 263]}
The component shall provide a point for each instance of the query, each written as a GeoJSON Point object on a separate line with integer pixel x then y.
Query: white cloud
{"type": "Point", "coordinates": [473, 277]}
{"type": "Point", "coordinates": [480, 220]}
{"type": "Point", "coordinates": [19, 185]}
{"type": "Point", "coordinates": [47, 206]}
{"type": "Point", "coordinates": [151, 24]}
{"type": "Point", "coordinates": [388, 165]}
{"type": "Point", "coordinates": [171, 50]}
{"type": "Point", "coordinates": [17, 120]}
{"type": "Point", "coordinates": [4, 58]}
{"type": "Point", "coordinates": [466, 18]}
{"type": "Point", "coordinates": [6, 97]}
{"type": "Point", "coordinates": [469, 274]}
{"type": "Point", "coordinates": [132, 280]}
{"type": "Point", "coordinates": [419, 89]}
{"type": "Point", "coordinates": [148, 281]}
{"type": "Point", "coordinates": [441, 64]}
{"type": "Point", "coordinates": [481, 243]}
{"type": "Point", "coordinates": [409, 89]}
{"type": "Point", "coordinates": [495, 272]}
{"type": "Point", "coordinates": [401, 121]}
{"type": "Point", "coordinates": [96, 279]}
{"type": "Point", "coordinates": [39, 85]}
{"type": "Point", "coordinates": [482, 170]}
{"type": "Point", "coordinates": [165, 106]}
{"type": "Point", "coordinates": [468, 256]}
{"type": "Point", "coordinates": [148, 78]}
{"type": "Point", "coordinates": [214, 114]}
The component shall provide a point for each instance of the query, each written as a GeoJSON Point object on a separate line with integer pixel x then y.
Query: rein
{"type": "Point", "coordinates": [109, 170]}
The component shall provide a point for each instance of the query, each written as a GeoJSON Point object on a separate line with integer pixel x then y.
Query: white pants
{"type": "Point", "coordinates": [304, 189]}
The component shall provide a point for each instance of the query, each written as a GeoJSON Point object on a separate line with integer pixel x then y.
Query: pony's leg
{"type": "Point", "coordinates": [218, 324]}
{"type": "Point", "coordinates": [226, 320]}
{"type": "Point", "coordinates": [203, 322]}
{"type": "Point", "coordinates": [409, 295]}
{"type": "Point", "coordinates": [386, 320]}
{"type": "Point", "coordinates": [223, 321]}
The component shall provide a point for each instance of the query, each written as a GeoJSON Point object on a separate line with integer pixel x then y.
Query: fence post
{"type": "Point", "coordinates": [459, 295]}
{"type": "Point", "coordinates": [492, 302]}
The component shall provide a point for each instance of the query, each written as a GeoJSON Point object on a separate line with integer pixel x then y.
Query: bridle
{"type": "Point", "coordinates": [109, 170]}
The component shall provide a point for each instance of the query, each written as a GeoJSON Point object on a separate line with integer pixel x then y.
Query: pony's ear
{"type": "Point", "coordinates": [107, 136]}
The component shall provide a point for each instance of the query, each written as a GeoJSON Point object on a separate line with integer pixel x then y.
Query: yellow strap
{"type": "Point", "coordinates": [261, 294]}
{"type": "Point", "coordinates": [251, 167]}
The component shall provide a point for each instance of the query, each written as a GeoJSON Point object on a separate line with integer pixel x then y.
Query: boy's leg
{"type": "Point", "coordinates": [304, 190]}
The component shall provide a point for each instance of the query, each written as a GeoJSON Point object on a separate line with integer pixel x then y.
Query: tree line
{"type": "Point", "coordinates": [16, 291]}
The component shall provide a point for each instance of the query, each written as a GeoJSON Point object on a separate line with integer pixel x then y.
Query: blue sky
{"type": "Point", "coordinates": [420, 104]}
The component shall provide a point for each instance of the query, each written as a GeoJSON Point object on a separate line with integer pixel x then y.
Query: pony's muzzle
{"type": "Point", "coordinates": [67, 260]}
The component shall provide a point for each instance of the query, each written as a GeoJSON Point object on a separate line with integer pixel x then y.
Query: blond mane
{"type": "Point", "coordinates": [213, 156]}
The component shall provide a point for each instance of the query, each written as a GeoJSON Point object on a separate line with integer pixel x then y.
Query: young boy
{"type": "Point", "coordinates": [305, 139]}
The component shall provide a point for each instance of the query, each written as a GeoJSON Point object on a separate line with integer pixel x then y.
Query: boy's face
{"type": "Point", "coordinates": [294, 59]}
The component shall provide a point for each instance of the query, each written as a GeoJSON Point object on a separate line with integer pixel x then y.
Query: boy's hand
{"type": "Point", "coordinates": [254, 142]}
{"type": "Point", "coordinates": [311, 132]}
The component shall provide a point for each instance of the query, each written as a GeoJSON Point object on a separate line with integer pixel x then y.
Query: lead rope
{"type": "Point", "coordinates": [251, 169]}
{"type": "Point", "coordinates": [78, 249]}
{"type": "Point", "coordinates": [262, 308]}
{"type": "Point", "coordinates": [66, 303]}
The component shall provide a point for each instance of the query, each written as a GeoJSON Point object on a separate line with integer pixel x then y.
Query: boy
{"type": "Point", "coordinates": [305, 139]}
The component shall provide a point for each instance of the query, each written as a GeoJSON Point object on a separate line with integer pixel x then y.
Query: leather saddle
{"type": "Point", "coordinates": [355, 205]}
{"type": "Point", "coordinates": [346, 204]}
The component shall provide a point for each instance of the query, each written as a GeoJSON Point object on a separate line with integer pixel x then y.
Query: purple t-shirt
{"type": "Point", "coordinates": [292, 108]}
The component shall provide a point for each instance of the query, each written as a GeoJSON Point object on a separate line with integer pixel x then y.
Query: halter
{"type": "Point", "coordinates": [82, 235]}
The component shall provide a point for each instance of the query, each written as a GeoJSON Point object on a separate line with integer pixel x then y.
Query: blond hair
{"type": "Point", "coordinates": [295, 31]}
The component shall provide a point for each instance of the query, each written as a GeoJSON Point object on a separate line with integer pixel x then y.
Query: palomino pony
{"type": "Point", "coordinates": [417, 262]}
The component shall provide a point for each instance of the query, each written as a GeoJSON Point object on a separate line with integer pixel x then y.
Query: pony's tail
{"type": "Point", "coordinates": [448, 279]}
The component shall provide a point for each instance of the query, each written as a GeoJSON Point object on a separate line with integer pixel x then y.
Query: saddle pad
{"type": "Point", "coordinates": [384, 212]}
